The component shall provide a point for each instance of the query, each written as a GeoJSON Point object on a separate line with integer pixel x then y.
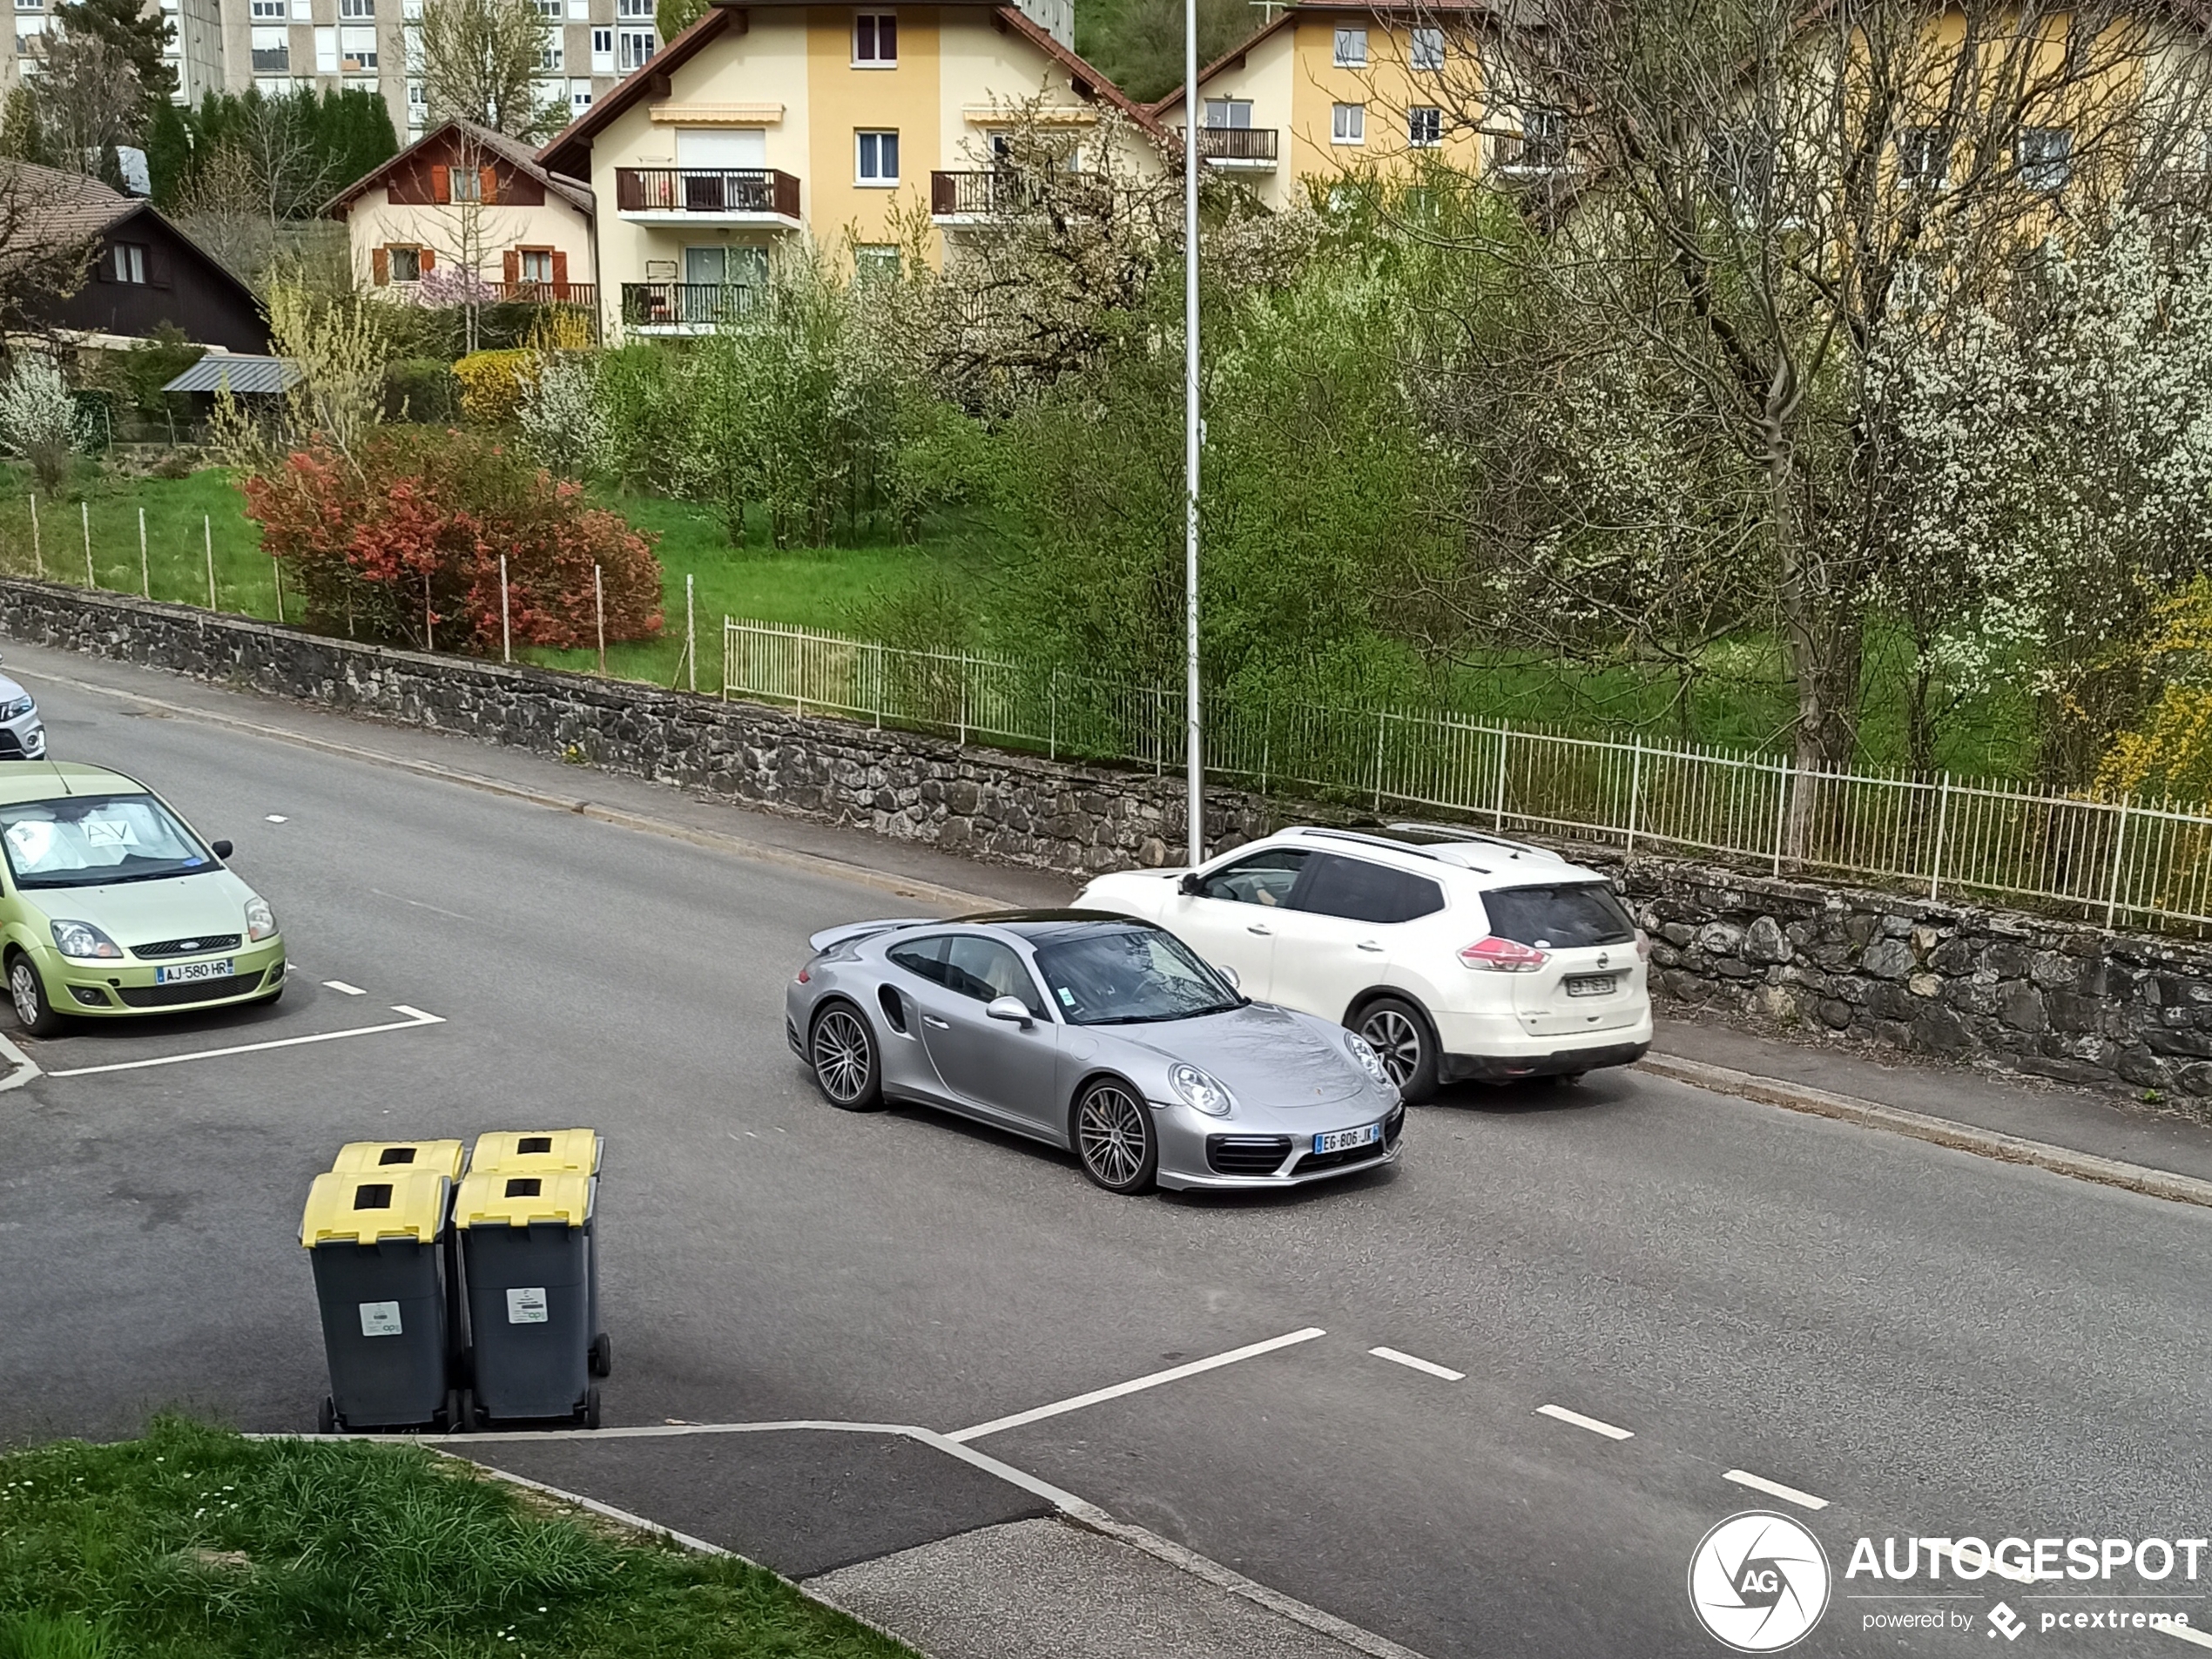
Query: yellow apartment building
{"type": "Point", "coordinates": [763, 124]}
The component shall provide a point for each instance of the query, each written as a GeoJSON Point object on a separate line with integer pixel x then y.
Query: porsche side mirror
{"type": "Point", "coordinates": [220, 849]}
{"type": "Point", "coordinates": [1190, 886]}
{"type": "Point", "coordinates": [1010, 1008]}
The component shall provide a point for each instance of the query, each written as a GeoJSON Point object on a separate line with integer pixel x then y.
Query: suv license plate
{"type": "Point", "coordinates": [184, 972]}
{"type": "Point", "coordinates": [1343, 1140]}
{"type": "Point", "coordinates": [1590, 985]}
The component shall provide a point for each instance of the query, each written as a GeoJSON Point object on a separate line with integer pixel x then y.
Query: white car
{"type": "Point", "coordinates": [1458, 955]}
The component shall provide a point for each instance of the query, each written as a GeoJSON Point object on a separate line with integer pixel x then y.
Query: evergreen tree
{"type": "Point", "coordinates": [168, 153]}
{"type": "Point", "coordinates": [138, 37]}
{"type": "Point", "coordinates": [23, 135]}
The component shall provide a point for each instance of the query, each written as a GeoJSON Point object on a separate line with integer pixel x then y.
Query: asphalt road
{"type": "Point", "coordinates": [1934, 1343]}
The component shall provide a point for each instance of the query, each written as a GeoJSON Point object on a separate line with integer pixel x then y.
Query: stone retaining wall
{"type": "Point", "coordinates": [2059, 1001]}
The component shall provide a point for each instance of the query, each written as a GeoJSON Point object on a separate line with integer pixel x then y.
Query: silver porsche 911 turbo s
{"type": "Point", "coordinates": [1095, 1033]}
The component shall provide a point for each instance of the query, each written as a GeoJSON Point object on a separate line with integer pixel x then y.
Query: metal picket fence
{"type": "Point", "coordinates": [2109, 860]}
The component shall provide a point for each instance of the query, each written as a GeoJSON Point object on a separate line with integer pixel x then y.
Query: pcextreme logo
{"type": "Point", "coordinates": [1758, 1582]}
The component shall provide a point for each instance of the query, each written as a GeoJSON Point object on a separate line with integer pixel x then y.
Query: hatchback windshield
{"type": "Point", "coordinates": [86, 840]}
{"type": "Point", "coordinates": [1131, 977]}
{"type": "Point", "coordinates": [1560, 918]}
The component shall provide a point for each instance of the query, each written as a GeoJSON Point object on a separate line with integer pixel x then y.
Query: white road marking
{"type": "Point", "coordinates": [1775, 1489]}
{"type": "Point", "coordinates": [2188, 1633]}
{"type": "Point", "coordinates": [1589, 1423]}
{"type": "Point", "coordinates": [276, 817]}
{"type": "Point", "coordinates": [1418, 1363]}
{"type": "Point", "coordinates": [435, 909]}
{"type": "Point", "coordinates": [341, 985]}
{"type": "Point", "coordinates": [415, 1017]}
{"type": "Point", "coordinates": [25, 1067]}
{"type": "Point", "coordinates": [1135, 1386]}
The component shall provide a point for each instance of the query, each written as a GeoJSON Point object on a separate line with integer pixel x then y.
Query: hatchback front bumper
{"type": "Point", "coordinates": [120, 989]}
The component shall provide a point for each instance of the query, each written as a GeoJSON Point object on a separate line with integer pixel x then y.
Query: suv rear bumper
{"type": "Point", "coordinates": [1499, 1069]}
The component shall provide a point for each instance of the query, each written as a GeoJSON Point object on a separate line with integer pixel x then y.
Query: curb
{"type": "Point", "coordinates": [1941, 1131]}
{"type": "Point", "coordinates": [813, 863]}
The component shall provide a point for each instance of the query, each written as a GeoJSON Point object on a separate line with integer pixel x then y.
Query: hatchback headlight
{"type": "Point", "coordinates": [83, 941]}
{"type": "Point", "coordinates": [260, 920]}
{"type": "Point", "coordinates": [1199, 1090]}
{"type": "Point", "coordinates": [1371, 1062]}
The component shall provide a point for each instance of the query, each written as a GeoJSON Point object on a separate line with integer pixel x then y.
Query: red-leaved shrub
{"type": "Point", "coordinates": [402, 541]}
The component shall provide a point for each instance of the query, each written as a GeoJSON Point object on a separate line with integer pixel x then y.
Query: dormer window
{"type": "Point", "coordinates": [875, 40]}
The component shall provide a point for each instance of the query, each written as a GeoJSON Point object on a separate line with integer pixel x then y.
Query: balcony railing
{"type": "Point", "coordinates": [1236, 144]}
{"type": "Point", "coordinates": [545, 293]}
{"type": "Point", "coordinates": [999, 192]}
{"type": "Point", "coordinates": [685, 305]}
{"type": "Point", "coordinates": [706, 190]}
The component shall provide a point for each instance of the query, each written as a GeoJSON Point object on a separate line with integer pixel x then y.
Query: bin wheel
{"type": "Point", "coordinates": [327, 1417]}
{"type": "Point", "coordinates": [472, 1419]}
{"type": "Point", "coordinates": [592, 1408]}
{"type": "Point", "coordinates": [603, 1356]}
{"type": "Point", "coordinates": [449, 1419]}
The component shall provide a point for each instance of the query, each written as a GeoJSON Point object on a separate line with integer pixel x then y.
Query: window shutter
{"type": "Point", "coordinates": [379, 267]}
{"type": "Point", "coordinates": [560, 273]}
{"type": "Point", "coordinates": [441, 184]}
{"type": "Point", "coordinates": [511, 264]}
{"type": "Point", "coordinates": [487, 184]}
{"type": "Point", "coordinates": [157, 265]}
{"type": "Point", "coordinates": [104, 267]}
{"type": "Point", "coordinates": [429, 260]}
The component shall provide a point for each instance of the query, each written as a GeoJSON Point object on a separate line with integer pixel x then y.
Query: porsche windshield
{"type": "Point", "coordinates": [89, 840]}
{"type": "Point", "coordinates": [1129, 977]}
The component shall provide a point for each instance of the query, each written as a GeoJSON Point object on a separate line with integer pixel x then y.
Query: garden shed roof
{"type": "Point", "coordinates": [242, 373]}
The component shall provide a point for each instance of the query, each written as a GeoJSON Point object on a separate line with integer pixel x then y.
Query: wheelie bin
{"type": "Point", "coordinates": [375, 1239]}
{"type": "Point", "coordinates": [442, 1158]}
{"type": "Point", "coordinates": [536, 1151]}
{"type": "Point", "coordinates": [526, 1261]}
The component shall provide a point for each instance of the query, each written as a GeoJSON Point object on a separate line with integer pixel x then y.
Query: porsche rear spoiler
{"type": "Point", "coordinates": [821, 942]}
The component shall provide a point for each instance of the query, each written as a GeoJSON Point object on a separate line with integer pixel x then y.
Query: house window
{"type": "Point", "coordinates": [1348, 123]}
{"type": "Point", "coordinates": [356, 11]}
{"type": "Point", "coordinates": [272, 51]}
{"type": "Point", "coordinates": [303, 10]}
{"type": "Point", "coordinates": [2045, 157]}
{"type": "Point", "coordinates": [879, 158]}
{"type": "Point", "coordinates": [549, 10]}
{"type": "Point", "coordinates": [1228, 112]}
{"type": "Point", "coordinates": [1923, 158]}
{"type": "Point", "coordinates": [633, 11]}
{"type": "Point", "coordinates": [1743, 168]}
{"type": "Point", "coordinates": [579, 96]}
{"type": "Point", "coordinates": [411, 47]}
{"type": "Point", "coordinates": [1423, 127]}
{"type": "Point", "coordinates": [602, 51]}
{"type": "Point", "coordinates": [326, 50]}
{"type": "Point", "coordinates": [465, 184]}
{"type": "Point", "coordinates": [534, 265]}
{"type": "Point", "coordinates": [418, 103]}
{"type": "Point", "coordinates": [1428, 49]}
{"type": "Point", "coordinates": [1543, 139]}
{"type": "Point", "coordinates": [634, 48]}
{"type": "Point", "coordinates": [127, 262]}
{"type": "Point", "coordinates": [550, 56]}
{"type": "Point", "coordinates": [875, 262]}
{"type": "Point", "coordinates": [405, 263]}
{"type": "Point", "coordinates": [579, 10]}
{"type": "Point", "coordinates": [875, 40]}
{"type": "Point", "coordinates": [1351, 49]}
{"type": "Point", "coordinates": [263, 11]}
{"type": "Point", "coordinates": [357, 48]}
{"type": "Point", "coordinates": [30, 33]}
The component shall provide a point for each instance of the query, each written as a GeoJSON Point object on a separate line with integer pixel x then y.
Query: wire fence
{"type": "Point", "coordinates": [2109, 860]}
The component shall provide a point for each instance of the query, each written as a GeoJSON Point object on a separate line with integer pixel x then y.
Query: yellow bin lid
{"type": "Point", "coordinates": [440, 1157]}
{"type": "Point", "coordinates": [536, 1151]}
{"type": "Point", "coordinates": [512, 1198]}
{"type": "Point", "coordinates": [359, 1207]}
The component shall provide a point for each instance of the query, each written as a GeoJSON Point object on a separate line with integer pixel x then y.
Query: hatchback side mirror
{"type": "Point", "coordinates": [220, 849]}
{"type": "Point", "coordinates": [1191, 886]}
{"type": "Point", "coordinates": [1010, 1008]}
{"type": "Point", "coordinates": [1229, 973]}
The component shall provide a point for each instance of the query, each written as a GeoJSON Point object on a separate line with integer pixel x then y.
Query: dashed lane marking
{"type": "Point", "coordinates": [1775, 1489]}
{"type": "Point", "coordinates": [1590, 1423]}
{"type": "Point", "coordinates": [999, 1424]}
{"type": "Point", "coordinates": [341, 985]}
{"type": "Point", "coordinates": [415, 1017]}
{"type": "Point", "coordinates": [1416, 1363]}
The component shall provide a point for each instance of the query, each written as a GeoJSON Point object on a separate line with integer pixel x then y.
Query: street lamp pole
{"type": "Point", "coordinates": [1194, 736]}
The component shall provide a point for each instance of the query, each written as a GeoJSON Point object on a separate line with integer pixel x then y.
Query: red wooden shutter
{"type": "Point", "coordinates": [560, 274]}
{"type": "Point", "coordinates": [429, 260]}
{"type": "Point", "coordinates": [512, 263]}
{"type": "Point", "coordinates": [379, 267]}
{"type": "Point", "coordinates": [441, 184]}
{"type": "Point", "coordinates": [487, 182]}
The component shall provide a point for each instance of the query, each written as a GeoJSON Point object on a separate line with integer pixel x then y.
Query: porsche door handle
{"type": "Point", "coordinates": [932, 1020]}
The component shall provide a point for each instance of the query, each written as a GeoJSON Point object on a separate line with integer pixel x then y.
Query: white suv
{"type": "Point", "coordinates": [1457, 954]}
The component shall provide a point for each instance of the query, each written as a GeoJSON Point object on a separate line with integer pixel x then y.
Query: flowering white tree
{"type": "Point", "coordinates": [561, 417]}
{"type": "Point", "coordinates": [38, 418]}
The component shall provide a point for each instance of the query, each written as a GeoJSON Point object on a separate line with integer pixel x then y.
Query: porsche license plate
{"type": "Point", "coordinates": [1590, 985]}
{"type": "Point", "coordinates": [1343, 1140]}
{"type": "Point", "coordinates": [185, 972]}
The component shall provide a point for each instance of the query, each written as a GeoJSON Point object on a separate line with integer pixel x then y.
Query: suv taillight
{"type": "Point", "coordinates": [1504, 955]}
{"type": "Point", "coordinates": [1643, 945]}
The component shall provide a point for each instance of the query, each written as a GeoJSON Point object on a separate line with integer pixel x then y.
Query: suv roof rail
{"type": "Point", "coordinates": [1365, 839]}
{"type": "Point", "coordinates": [1464, 833]}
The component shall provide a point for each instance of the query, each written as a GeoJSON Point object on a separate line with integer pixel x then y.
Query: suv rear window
{"type": "Point", "coordinates": [1364, 892]}
{"type": "Point", "coordinates": [1559, 918]}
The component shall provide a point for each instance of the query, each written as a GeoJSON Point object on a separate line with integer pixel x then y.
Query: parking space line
{"type": "Point", "coordinates": [1417, 1363]}
{"type": "Point", "coordinates": [1774, 1489]}
{"type": "Point", "coordinates": [1135, 1385]}
{"type": "Point", "coordinates": [1563, 1415]}
{"type": "Point", "coordinates": [2187, 1634]}
{"type": "Point", "coordinates": [341, 985]}
{"type": "Point", "coordinates": [415, 1017]}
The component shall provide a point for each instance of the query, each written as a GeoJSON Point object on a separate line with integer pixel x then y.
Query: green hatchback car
{"type": "Point", "coordinates": [110, 905]}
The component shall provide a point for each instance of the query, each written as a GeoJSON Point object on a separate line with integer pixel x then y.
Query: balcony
{"type": "Point", "coordinates": [980, 196]}
{"type": "Point", "coordinates": [684, 307]}
{"type": "Point", "coordinates": [707, 196]}
{"type": "Point", "coordinates": [544, 293]}
{"type": "Point", "coordinates": [1239, 149]}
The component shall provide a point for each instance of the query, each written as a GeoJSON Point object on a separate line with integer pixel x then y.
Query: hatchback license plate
{"type": "Point", "coordinates": [184, 972]}
{"type": "Point", "coordinates": [1590, 985]}
{"type": "Point", "coordinates": [1343, 1140]}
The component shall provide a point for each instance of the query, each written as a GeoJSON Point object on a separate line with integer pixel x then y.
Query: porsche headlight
{"type": "Point", "coordinates": [260, 920]}
{"type": "Point", "coordinates": [1371, 1062]}
{"type": "Point", "coordinates": [1199, 1090]}
{"type": "Point", "coordinates": [83, 941]}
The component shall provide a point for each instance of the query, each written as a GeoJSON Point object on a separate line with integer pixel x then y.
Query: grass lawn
{"type": "Point", "coordinates": [194, 1544]}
